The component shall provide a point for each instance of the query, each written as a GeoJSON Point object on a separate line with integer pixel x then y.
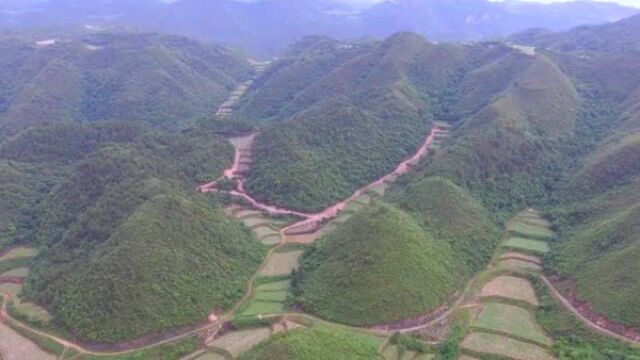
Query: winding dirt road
{"type": "Point", "coordinates": [569, 306]}
{"type": "Point", "coordinates": [312, 219]}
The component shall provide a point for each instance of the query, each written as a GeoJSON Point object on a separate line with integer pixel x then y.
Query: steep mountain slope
{"type": "Point", "coordinates": [360, 117]}
{"type": "Point", "coordinates": [164, 81]}
{"type": "Point", "coordinates": [342, 131]}
{"type": "Point", "coordinates": [509, 153]}
{"type": "Point", "coordinates": [597, 210]}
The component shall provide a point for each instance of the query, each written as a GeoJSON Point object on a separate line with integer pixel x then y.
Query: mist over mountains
{"type": "Point", "coordinates": [266, 27]}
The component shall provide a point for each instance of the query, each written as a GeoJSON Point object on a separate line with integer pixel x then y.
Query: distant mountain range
{"type": "Point", "coordinates": [266, 27]}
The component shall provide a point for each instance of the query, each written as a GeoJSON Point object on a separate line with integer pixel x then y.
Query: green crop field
{"type": "Point", "coordinates": [530, 231]}
{"type": "Point", "coordinates": [485, 344]}
{"type": "Point", "coordinates": [268, 297]}
{"type": "Point", "coordinates": [513, 320]}
{"type": "Point", "coordinates": [536, 246]}
{"type": "Point", "coordinates": [19, 252]}
{"type": "Point", "coordinates": [18, 272]}
{"type": "Point", "coordinates": [278, 296]}
{"type": "Point", "coordinates": [274, 286]}
{"type": "Point", "coordinates": [257, 307]}
{"type": "Point", "coordinates": [318, 343]}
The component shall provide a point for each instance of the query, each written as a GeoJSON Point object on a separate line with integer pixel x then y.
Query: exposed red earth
{"type": "Point", "coordinates": [583, 311]}
{"type": "Point", "coordinates": [311, 221]}
{"type": "Point", "coordinates": [11, 280]}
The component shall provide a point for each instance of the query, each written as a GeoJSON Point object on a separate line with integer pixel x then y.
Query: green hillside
{"type": "Point", "coordinates": [449, 214]}
{"type": "Point", "coordinates": [353, 119]}
{"type": "Point", "coordinates": [164, 81]}
{"type": "Point", "coordinates": [380, 266]}
{"type": "Point", "coordinates": [153, 272]}
{"type": "Point", "coordinates": [124, 210]}
{"type": "Point", "coordinates": [510, 153]}
{"type": "Point", "coordinates": [343, 131]}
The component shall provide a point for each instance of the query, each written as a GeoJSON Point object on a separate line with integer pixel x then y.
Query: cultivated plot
{"type": "Point", "coordinates": [483, 343]}
{"type": "Point", "coordinates": [512, 320]}
{"type": "Point", "coordinates": [20, 272]}
{"type": "Point", "coordinates": [510, 287]}
{"type": "Point", "coordinates": [529, 245]}
{"type": "Point", "coordinates": [238, 342]}
{"type": "Point", "coordinates": [519, 256]}
{"type": "Point", "coordinates": [16, 347]}
{"type": "Point", "coordinates": [19, 252]}
{"type": "Point", "coordinates": [516, 264]}
{"type": "Point", "coordinates": [281, 263]}
{"type": "Point", "coordinates": [528, 230]}
{"type": "Point", "coordinates": [267, 298]}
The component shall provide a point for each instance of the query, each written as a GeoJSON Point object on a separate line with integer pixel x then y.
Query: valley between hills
{"type": "Point", "coordinates": [393, 199]}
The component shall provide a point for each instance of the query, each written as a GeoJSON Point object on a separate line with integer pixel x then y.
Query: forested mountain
{"type": "Point", "coordinates": [105, 136]}
{"type": "Point", "coordinates": [266, 27]}
{"type": "Point", "coordinates": [95, 175]}
{"type": "Point", "coordinates": [349, 113]}
{"type": "Point", "coordinates": [164, 81]}
{"type": "Point", "coordinates": [597, 210]}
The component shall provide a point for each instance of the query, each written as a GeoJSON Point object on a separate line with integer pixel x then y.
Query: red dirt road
{"type": "Point", "coordinates": [313, 219]}
{"type": "Point", "coordinates": [600, 325]}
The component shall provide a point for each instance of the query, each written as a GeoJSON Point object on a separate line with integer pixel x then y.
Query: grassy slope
{"type": "Point", "coordinates": [160, 80]}
{"type": "Point", "coordinates": [317, 343]}
{"type": "Point", "coordinates": [379, 266]}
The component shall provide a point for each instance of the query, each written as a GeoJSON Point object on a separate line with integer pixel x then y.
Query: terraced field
{"type": "Point", "coordinates": [268, 297]}
{"type": "Point", "coordinates": [506, 325]}
{"type": "Point", "coordinates": [19, 252]}
{"type": "Point", "coordinates": [395, 352]}
{"type": "Point", "coordinates": [510, 287]}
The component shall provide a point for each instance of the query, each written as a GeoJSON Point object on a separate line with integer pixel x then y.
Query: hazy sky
{"type": "Point", "coordinates": [635, 3]}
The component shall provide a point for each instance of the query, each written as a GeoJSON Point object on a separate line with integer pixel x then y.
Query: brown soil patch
{"type": "Point", "coordinates": [16, 347]}
{"type": "Point", "coordinates": [281, 263]}
{"type": "Point", "coordinates": [238, 342]}
{"type": "Point", "coordinates": [511, 287]}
